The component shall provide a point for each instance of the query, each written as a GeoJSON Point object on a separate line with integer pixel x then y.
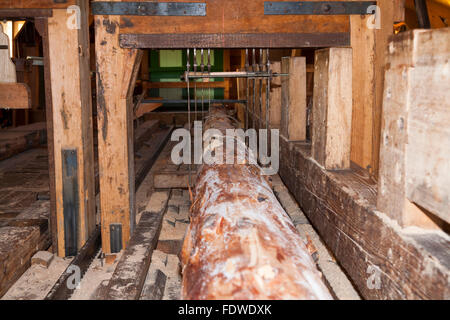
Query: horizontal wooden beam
{"type": "Point", "coordinates": [15, 95]}
{"type": "Point", "coordinates": [234, 40]}
{"type": "Point", "coordinates": [36, 4]}
{"type": "Point", "coordinates": [233, 17]}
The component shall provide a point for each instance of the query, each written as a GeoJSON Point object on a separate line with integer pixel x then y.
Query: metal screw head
{"type": "Point", "coordinates": [326, 7]}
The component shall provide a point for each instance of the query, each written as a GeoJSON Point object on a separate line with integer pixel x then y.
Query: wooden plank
{"type": "Point", "coordinates": [72, 118]}
{"type": "Point", "coordinates": [234, 16]}
{"type": "Point", "coordinates": [36, 4]}
{"type": "Point", "coordinates": [116, 69]}
{"type": "Point", "coordinates": [367, 244]}
{"type": "Point", "coordinates": [16, 140]}
{"type": "Point", "coordinates": [332, 110]}
{"type": "Point", "coordinates": [128, 278]}
{"type": "Point", "coordinates": [293, 98]}
{"type": "Point", "coordinates": [15, 95]}
{"type": "Point", "coordinates": [234, 40]}
{"type": "Point", "coordinates": [275, 96]}
{"type": "Point", "coordinates": [413, 162]}
{"type": "Point", "coordinates": [145, 108]}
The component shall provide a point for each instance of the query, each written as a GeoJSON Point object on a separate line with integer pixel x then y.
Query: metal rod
{"type": "Point", "coordinates": [202, 67]}
{"type": "Point", "coordinates": [195, 83]}
{"type": "Point", "coordinates": [189, 110]}
{"type": "Point", "coordinates": [261, 69]}
{"type": "Point", "coordinates": [209, 81]}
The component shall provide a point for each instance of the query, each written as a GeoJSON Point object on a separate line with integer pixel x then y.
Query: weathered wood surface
{"type": "Point", "coordinates": [117, 70]}
{"type": "Point", "coordinates": [7, 67]}
{"type": "Point", "coordinates": [367, 244]}
{"type": "Point", "coordinates": [275, 96]}
{"type": "Point", "coordinates": [415, 159]}
{"type": "Point", "coordinates": [128, 278]}
{"type": "Point", "coordinates": [15, 95]}
{"type": "Point", "coordinates": [174, 179]}
{"type": "Point", "coordinates": [234, 17]}
{"type": "Point", "coordinates": [332, 110]}
{"type": "Point", "coordinates": [241, 244]}
{"type": "Point", "coordinates": [16, 140]}
{"type": "Point", "coordinates": [35, 4]}
{"type": "Point", "coordinates": [23, 218]}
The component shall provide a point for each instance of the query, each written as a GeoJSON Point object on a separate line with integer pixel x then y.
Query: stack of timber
{"type": "Point", "coordinates": [241, 244]}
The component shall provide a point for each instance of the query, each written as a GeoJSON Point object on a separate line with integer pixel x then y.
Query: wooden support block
{"type": "Point", "coordinates": [293, 98]}
{"type": "Point", "coordinates": [144, 108]}
{"type": "Point", "coordinates": [43, 258]}
{"type": "Point", "coordinates": [117, 70]}
{"type": "Point", "coordinates": [414, 156]}
{"type": "Point", "coordinates": [73, 147]}
{"type": "Point", "coordinates": [332, 110]}
{"type": "Point", "coordinates": [275, 96]}
{"type": "Point", "coordinates": [15, 95]}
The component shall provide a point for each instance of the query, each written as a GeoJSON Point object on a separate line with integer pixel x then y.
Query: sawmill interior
{"type": "Point", "coordinates": [224, 150]}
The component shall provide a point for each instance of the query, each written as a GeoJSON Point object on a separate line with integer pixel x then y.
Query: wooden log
{"type": "Point", "coordinates": [293, 98]}
{"type": "Point", "coordinates": [414, 165]}
{"type": "Point", "coordinates": [72, 130]}
{"type": "Point", "coordinates": [332, 110]}
{"type": "Point", "coordinates": [117, 70]}
{"type": "Point", "coordinates": [241, 244]}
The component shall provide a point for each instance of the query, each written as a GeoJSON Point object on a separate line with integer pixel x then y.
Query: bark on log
{"type": "Point", "coordinates": [241, 244]}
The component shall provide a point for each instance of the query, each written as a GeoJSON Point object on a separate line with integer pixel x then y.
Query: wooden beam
{"type": "Point", "coordinates": [72, 130]}
{"type": "Point", "coordinates": [369, 39]}
{"type": "Point", "coordinates": [117, 70]}
{"type": "Point", "coordinates": [15, 95]}
{"type": "Point", "coordinates": [332, 110]}
{"type": "Point", "coordinates": [383, 261]}
{"type": "Point", "coordinates": [234, 40]}
{"type": "Point", "coordinates": [234, 16]}
{"type": "Point", "coordinates": [414, 164]}
{"type": "Point", "coordinates": [173, 180]}
{"type": "Point", "coordinates": [293, 98]}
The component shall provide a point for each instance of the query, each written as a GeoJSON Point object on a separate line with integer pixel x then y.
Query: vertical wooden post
{"type": "Point", "coordinates": [369, 39]}
{"type": "Point", "coordinates": [332, 109]}
{"type": "Point", "coordinates": [117, 70]}
{"type": "Point", "coordinates": [293, 98]}
{"type": "Point", "coordinates": [275, 97]}
{"type": "Point", "coordinates": [73, 154]}
{"type": "Point", "coordinates": [414, 166]}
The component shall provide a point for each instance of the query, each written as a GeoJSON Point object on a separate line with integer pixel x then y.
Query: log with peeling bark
{"type": "Point", "coordinates": [241, 244]}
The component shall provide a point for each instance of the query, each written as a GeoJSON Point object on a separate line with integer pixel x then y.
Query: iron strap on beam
{"type": "Point", "coordinates": [149, 8]}
{"type": "Point", "coordinates": [318, 7]}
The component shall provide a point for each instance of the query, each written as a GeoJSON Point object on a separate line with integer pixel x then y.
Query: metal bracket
{"type": "Point", "coordinates": [318, 7]}
{"type": "Point", "coordinates": [149, 8]}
